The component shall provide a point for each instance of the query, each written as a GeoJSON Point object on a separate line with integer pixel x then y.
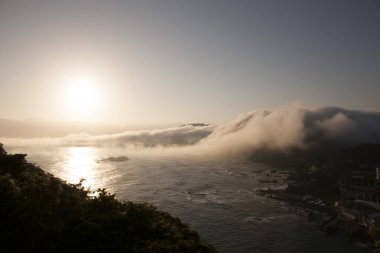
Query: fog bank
{"type": "Point", "coordinates": [295, 126]}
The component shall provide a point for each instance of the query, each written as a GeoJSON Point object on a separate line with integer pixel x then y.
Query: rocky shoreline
{"type": "Point", "coordinates": [334, 223]}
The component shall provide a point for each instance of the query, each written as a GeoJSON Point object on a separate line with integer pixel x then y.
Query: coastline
{"type": "Point", "coordinates": [333, 224]}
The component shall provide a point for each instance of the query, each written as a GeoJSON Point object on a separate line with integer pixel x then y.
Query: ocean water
{"type": "Point", "coordinates": [216, 197]}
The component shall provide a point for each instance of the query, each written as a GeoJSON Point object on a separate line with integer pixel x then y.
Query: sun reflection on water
{"type": "Point", "coordinates": [81, 164]}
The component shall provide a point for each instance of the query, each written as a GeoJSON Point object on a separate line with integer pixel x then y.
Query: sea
{"type": "Point", "coordinates": [217, 197]}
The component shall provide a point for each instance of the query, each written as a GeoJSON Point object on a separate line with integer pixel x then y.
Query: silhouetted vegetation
{"type": "Point", "coordinates": [42, 213]}
{"type": "Point", "coordinates": [365, 154]}
{"type": "Point", "coordinates": [375, 235]}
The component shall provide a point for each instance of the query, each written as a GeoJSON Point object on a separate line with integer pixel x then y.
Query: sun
{"type": "Point", "coordinates": [82, 97]}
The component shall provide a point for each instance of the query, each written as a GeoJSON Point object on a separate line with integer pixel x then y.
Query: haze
{"type": "Point", "coordinates": [185, 61]}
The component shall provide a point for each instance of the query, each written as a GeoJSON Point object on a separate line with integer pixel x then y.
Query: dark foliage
{"type": "Point", "coordinates": [42, 213]}
{"type": "Point", "coordinates": [367, 154]}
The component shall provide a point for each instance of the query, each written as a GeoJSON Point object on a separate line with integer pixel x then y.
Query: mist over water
{"type": "Point", "coordinates": [150, 100]}
{"type": "Point", "coordinates": [215, 196]}
{"type": "Point", "coordinates": [280, 129]}
{"type": "Point", "coordinates": [201, 173]}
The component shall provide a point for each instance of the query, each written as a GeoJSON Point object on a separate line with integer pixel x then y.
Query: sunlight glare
{"type": "Point", "coordinates": [81, 164]}
{"type": "Point", "coordinates": [83, 97]}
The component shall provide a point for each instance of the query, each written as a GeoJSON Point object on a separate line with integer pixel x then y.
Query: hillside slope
{"type": "Point", "coordinates": [42, 213]}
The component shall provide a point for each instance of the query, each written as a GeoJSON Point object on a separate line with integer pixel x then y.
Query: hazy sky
{"type": "Point", "coordinates": [186, 60]}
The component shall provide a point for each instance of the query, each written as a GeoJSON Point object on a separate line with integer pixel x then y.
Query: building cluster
{"type": "Point", "coordinates": [359, 207]}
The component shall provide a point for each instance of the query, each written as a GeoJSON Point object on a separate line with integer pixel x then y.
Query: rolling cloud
{"type": "Point", "coordinates": [295, 126]}
{"type": "Point", "coordinates": [177, 136]}
{"type": "Point", "coordinates": [185, 135]}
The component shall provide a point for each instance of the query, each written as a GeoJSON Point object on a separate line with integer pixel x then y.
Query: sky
{"type": "Point", "coordinates": [164, 61]}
